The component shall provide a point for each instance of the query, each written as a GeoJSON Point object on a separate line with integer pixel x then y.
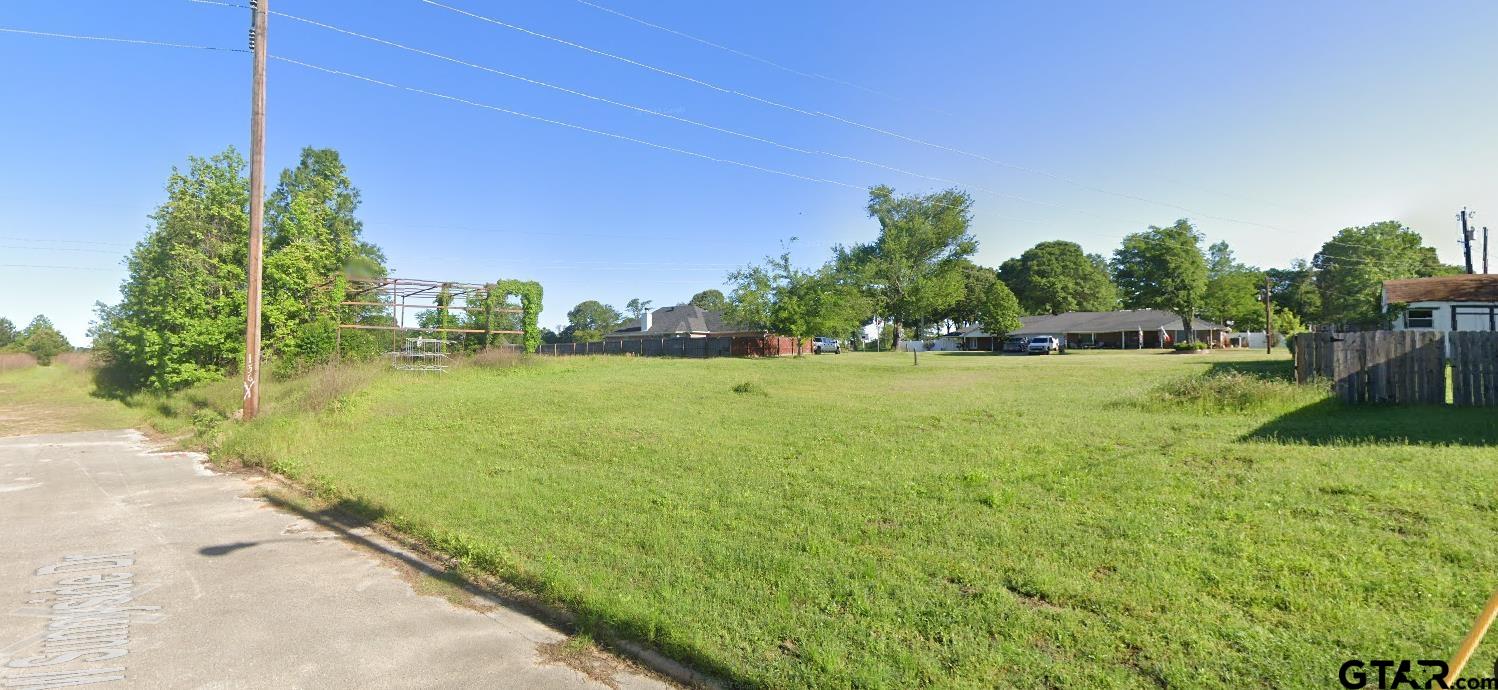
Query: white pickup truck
{"type": "Point", "coordinates": [821, 345]}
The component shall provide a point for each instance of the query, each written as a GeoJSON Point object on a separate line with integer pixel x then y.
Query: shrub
{"type": "Point", "coordinates": [1233, 392]}
{"type": "Point", "coordinates": [1190, 347]}
{"type": "Point", "coordinates": [749, 388]}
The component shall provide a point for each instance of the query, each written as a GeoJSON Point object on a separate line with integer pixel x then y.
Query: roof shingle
{"type": "Point", "coordinates": [1461, 288]}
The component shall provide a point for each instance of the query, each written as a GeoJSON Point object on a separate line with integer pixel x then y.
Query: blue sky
{"type": "Point", "coordinates": [1307, 117]}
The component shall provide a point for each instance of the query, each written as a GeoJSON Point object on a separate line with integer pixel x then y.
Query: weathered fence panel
{"type": "Point", "coordinates": [1402, 367]}
{"type": "Point", "coordinates": [1474, 368]}
{"type": "Point", "coordinates": [720, 346]}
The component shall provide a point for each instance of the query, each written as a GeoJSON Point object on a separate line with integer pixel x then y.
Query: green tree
{"type": "Point", "coordinates": [312, 239]}
{"type": "Point", "coordinates": [181, 315]}
{"type": "Point", "coordinates": [1294, 288]}
{"type": "Point", "coordinates": [589, 321]}
{"type": "Point", "coordinates": [1233, 292]}
{"type": "Point", "coordinates": [789, 301]}
{"type": "Point", "coordinates": [7, 332]}
{"type": "Point", "coordinates": [1057, 276]}
{"type": "Point", "coordinates": [1352, 266]}
{"type": "Point", "coordinates": [638, 308]}
{"type": "Point", "coordinates": [1286, 325]}
{"type": "Point", "coordinates": [999, 310]}
{"type": "Point", "coordinates": [43, 340]}
{"type": "Point", "coordinates": [1163, 268]}
{"type": "Point", "coordinates": [912, 272]}
{"type": "Point", "coordinates": [977, 281]}
{"type": "Point", "coordinates": [710, 299]}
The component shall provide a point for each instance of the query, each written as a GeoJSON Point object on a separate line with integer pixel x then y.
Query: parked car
{"type": "Point", "coordinates": [820, 345]}
{"type": "Point", "coordinates": [1014, 343]}
{"type": "Point", "coordinates": [1043, 345]}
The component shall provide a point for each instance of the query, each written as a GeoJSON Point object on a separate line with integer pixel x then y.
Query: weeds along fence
{"type": "Point", "coordinates": [701, 348]}
{"type": "Point", "coordinates": [1402, 367]}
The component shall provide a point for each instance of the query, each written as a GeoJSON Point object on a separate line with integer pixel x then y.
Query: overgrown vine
{"type": "Point", "coordinates": [529, 292]}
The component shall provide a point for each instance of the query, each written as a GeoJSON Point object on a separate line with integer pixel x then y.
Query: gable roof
{"type": "Point", "coordinates": [1461, 288]}
{"type": "Point", "coordinates": [1100, 322]}
{"type": "Point", "coordinates": [1109, 321]}
{"type": "Point", "coordinates": [682, 319]}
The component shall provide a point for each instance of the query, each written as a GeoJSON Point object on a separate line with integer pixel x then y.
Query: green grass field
{"type": "Point", "coordinates": [977, 521]}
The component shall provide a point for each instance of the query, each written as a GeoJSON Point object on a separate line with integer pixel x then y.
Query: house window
{"type": "Point", "coordinates": [1420, 318]}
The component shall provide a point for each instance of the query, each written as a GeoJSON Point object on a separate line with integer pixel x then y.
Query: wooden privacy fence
{"type": "Point", "coordinates": [723, 346]}
{"type": "Point", "coordinates": [1402, 367]}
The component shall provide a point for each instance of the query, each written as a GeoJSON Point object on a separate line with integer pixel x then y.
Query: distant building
{"type": "Point", "coordinates": [1123, 329]}
{"type": "Point", "coordinates": [1444, 303]}
{"type": "Point", "coordinates": [683, 321]}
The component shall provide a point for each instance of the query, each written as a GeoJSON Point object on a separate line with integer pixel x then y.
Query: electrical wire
{"type": "Point", "coordinates": [649, 111]}
{"type": "Point", "coordinates": [111, 39]}
{"type": "Point", "coordinates": [851, 122]}
{"type": "Point", "coordinates": [740, 53]}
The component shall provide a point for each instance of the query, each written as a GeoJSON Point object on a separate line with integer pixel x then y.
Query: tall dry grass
{"type": "Point", "coordinates": [75, 360]}
{"type": "Point", "coordinates": [494, 358]}
{"type": "Point", "coordinates": [12, 361]}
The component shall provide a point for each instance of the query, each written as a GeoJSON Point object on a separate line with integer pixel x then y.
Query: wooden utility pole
{"type": "Point", "coordinates": [1466, 239]}
{"type": "Point", "coordinates": [257, 211]}
{"type": "Point", "coordinates": [1268, 320]}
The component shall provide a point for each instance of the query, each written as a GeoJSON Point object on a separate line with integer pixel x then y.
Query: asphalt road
{"type": "Point", "coordinates": [121, 567]}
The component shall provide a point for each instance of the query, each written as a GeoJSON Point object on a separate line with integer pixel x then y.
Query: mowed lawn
{"type": "Point", "coordinates": [976, 521]}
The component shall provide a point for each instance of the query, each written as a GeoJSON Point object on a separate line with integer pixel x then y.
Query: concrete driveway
{"type": "Point", "coordinates": [120, 566]}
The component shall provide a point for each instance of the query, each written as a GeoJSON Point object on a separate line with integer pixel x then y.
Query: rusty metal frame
{"type": "Point", "coordinates": [399, 294]}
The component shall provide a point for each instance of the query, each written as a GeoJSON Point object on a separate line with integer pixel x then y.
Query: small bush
{"type": "Point", "coordinates": [749, 388]}
{"type": "Point", "coordinates": [1190, 347]}
{"type": "Point", "coordinates": [1232, 392]}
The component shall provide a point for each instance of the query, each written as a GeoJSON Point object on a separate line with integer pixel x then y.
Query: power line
{"type": "Point", "coordinates": [740, 53]}
{"type": "Point", "coordinates": [30, 239]}
{"type": "Point", "coordinates": [847, 121]}
{"type": "Point", "coordinates": [655, 113]}
{"type": "Point", "coordinates": [66, 268]}
{"type": "Point", "coordinates": [111, 39]}
{"type": "Point", "coordinates": [561, 123]}
{"type": "Point", "coordinates": [59, 249]}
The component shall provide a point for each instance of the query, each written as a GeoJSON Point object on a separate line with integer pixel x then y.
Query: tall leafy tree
{"type": "Point", "coordinates": [1163, 268]}
{"type": "Point", "coordinates": [43, 340]}
{"type": "Point", "coordinates": [589, 321]}
{"type": "Point", "coordinates": [998, 310]}
{"type": "Point", "coordinates": [312, 239]}
{"type": "Point", "coordinates": [913, 270]}
{"type": "Point", "coordinates": [181, 315]}
{"type": "Point", "coordinates": [1233, 290]}
{"type": "Point", "coordinates": [7, 332]}
{"type": "Point", "coordinates": [710, 299]}
{"type": "Point", "coordinates": [1057, 276]}
{"type": "Point", "coordinates": [791, 301]}
{"type": "Point", "coordinates": [977, 282]}
{"type": "Point", "coordinates": [638, 308]}
{"type": "Point", "coordinates": [1294, 288]}
{"type": "Point", "coordinates": [1351, 268]}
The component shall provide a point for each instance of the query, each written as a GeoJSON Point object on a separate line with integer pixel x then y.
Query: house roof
{"type": "Point", "coordinates": [1100, 322]}
{"type": "Point", "coordinates": [1109, 321]}
{"type": "Point", "coordinates": [684, 318]}
{"type": "Point", "coordinates": [1459, 288]}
